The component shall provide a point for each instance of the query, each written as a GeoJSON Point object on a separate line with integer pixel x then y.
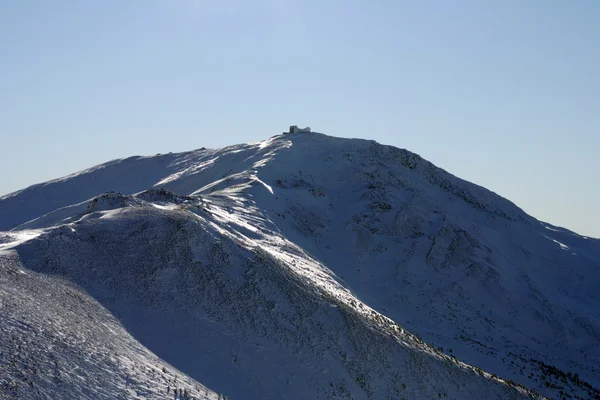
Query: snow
{"type": "Point", "coordinates": [245, 336]}
{"type": "Point", "coordinates": [58, 342]}
{"type": "Point", "coordinates": [269, 188]}
{"type": "Point", "coordinates": [562, 246]}
{"type": "Point", "coordinates": [10, 240]}
{"type": "Point", "coordinates": [303, 266]}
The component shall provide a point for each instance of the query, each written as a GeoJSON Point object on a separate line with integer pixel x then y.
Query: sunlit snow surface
{"type": "Point", "coordinates": [297, 267]}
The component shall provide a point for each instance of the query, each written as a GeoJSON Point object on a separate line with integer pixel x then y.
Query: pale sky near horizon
{"type": "Point", "coordinates": [505, 94]}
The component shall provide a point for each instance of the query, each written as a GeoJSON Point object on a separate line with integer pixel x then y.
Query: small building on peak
{"type": "Point", "coordinates": [295, 129]}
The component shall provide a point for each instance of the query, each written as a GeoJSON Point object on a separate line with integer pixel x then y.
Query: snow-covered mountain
{"type": "Point", "coordinates": [303, 266]}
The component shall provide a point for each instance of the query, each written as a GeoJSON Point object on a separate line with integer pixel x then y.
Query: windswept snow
{"type": "Point", "coordinates": [303, 266]}
{"type": "Point", "coordinates": [243, 311]}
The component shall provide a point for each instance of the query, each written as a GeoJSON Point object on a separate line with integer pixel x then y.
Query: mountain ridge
{"type": "Point", "coordinates": [167, 162]}
{"type": "Point", "coordinates": [388, 231]}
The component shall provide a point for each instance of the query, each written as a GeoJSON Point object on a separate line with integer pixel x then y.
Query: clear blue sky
{"type": "Point", "coordinates": [502, 93]}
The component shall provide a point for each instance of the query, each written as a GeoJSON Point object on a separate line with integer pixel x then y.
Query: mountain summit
{"type": "Point", "coordinates": [303, 266]}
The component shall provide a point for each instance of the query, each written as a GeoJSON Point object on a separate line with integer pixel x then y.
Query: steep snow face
{"type": "Point", "coordinates": [319, 241]}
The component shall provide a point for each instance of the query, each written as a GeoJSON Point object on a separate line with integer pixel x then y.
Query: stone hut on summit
{"type": "Point", "coordinates": [295, 129]}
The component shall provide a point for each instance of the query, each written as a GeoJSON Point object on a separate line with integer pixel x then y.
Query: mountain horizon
{"type": "Point", "coordinates": [177, 153]}
{"type": "Point", "coordinates": [302, 266]}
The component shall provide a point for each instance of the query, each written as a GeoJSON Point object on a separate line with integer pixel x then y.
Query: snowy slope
{"type": "Point", "coordinates": [296, 268]}
{"type": "Point", "coordinates": [60, 343]}
{"type": "Point", "coordinates": [226, 300]}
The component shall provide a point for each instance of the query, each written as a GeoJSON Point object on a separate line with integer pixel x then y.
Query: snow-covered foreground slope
{"type": "Point", "coordinates": [217, 294]}
{"type": "Point", "coordinates": [59, 343]}
{"type": "Point", "coordinates": [298, 267]}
